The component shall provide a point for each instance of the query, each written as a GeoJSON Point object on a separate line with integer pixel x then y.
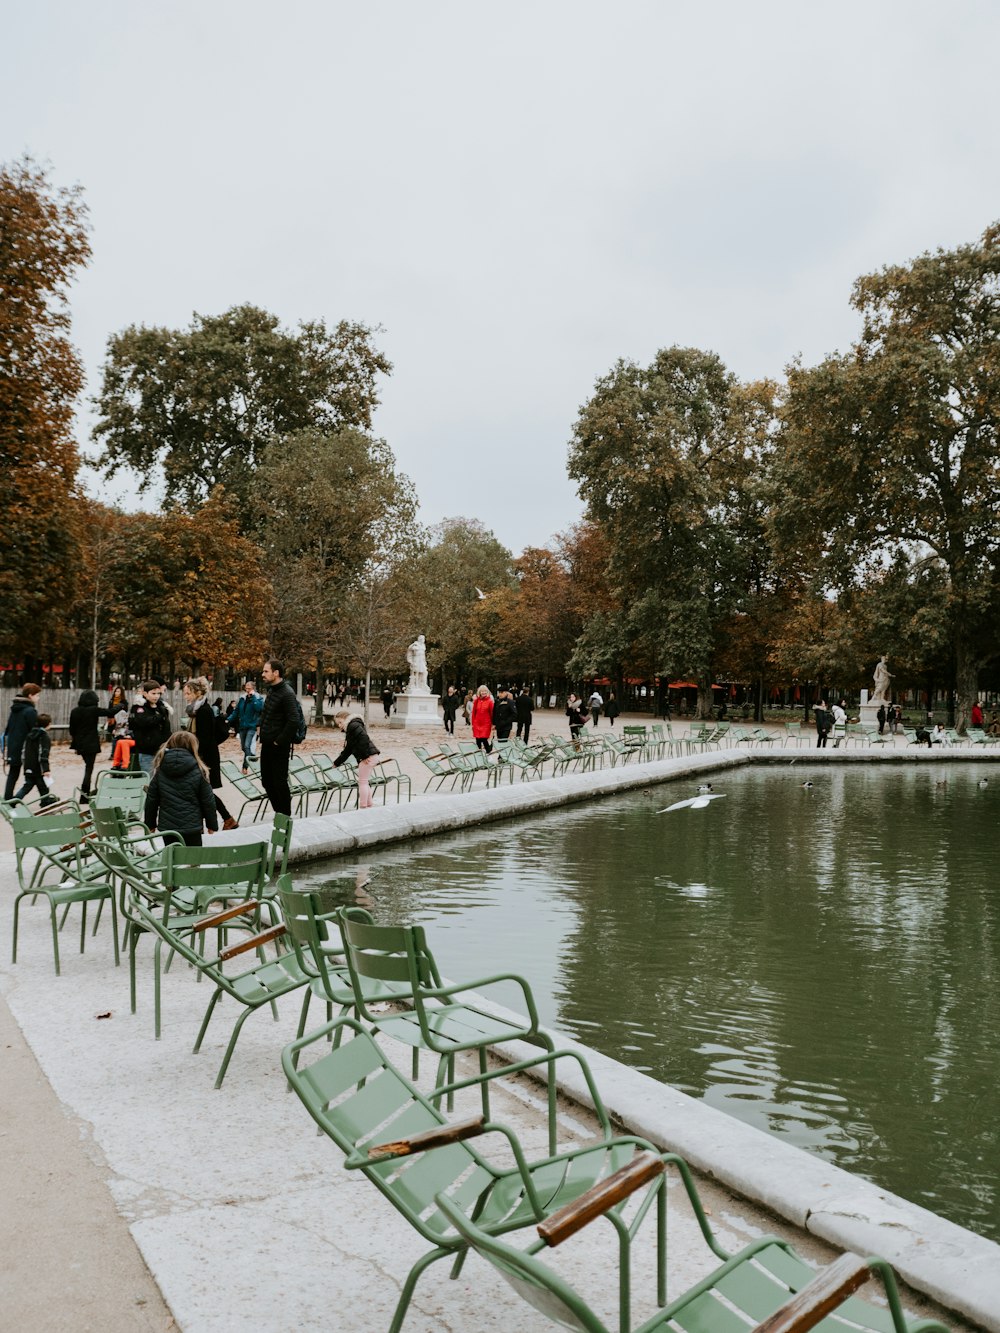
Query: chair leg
{"type": "Point", "coordinates": [232, 1046]}
{"type": "Point", "coordinates": [410, 1284]}
{"type": "Point", "coordinates": [55, 936]}
{"type": "Point", "coordinates": [208, 1015]}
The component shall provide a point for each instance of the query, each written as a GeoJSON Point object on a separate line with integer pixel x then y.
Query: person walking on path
{"type": "Point", "coordinates": [839, 720]}
{"type": "Point", "coordinates": [823, 722]}
{"type": "Point", "coordinates": [246, 719]}
{"type": "Point", "coordinates": [22, 719]}
{"type": "Point", "coordinates": [203, 722]}
{"type": "Point", "coordinates": [387, 697]}
{"type": "Point", "coordinates": [37, 745]}
{"type": "Point", "coordinates": [880, 718]}
{"type": "Point", "coordinates": [179, 796]}
{"type": "Point", "coordinates": [595, 703]}
{"type": "Point", "coordinates": [449, 708]}
{"type": "Point", "coordinates": [611, 709]}
{"type": "Point", "coordinates": [522, 705]}
{"type": "Point", "coordinates": [278, 726]}
{"type": "Point", "coordinates": [504, 715]}
{"type": "Point", "coordinates": [85, 736]}
{"type": "Point", "coordinates": [976, 716]}
{"type": "Point", "coordinates": [482, 719]}
{"type": "Point", "coordinates": [149, 723]}
{"type": "Point", "coordinates": [358, 743]}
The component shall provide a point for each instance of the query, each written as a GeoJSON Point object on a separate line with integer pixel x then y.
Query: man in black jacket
{"type": "Point", "coordinates": [523, 707]}
{"type": "Point", "coordinates": [278, 724]}
{"type": "Point", "coordinates": [149, 723]}
{"type": "Point", "coordinates": [504, 715]}
{"type": "Point", "coordinates": [22, 719]}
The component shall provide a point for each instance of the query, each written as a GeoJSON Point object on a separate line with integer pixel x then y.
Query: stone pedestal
{"type": "Point", "coordinates": [415, 710]}
{"type": "Point", "coordinates": [868, 712]}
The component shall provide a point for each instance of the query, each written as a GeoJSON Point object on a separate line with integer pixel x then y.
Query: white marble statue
{"type": "Point", "coordinates": [416, 657]}
{"type": "Point", "coordinates": [882, 677]}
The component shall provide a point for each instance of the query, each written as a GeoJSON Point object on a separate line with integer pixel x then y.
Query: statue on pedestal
{"type": "Point", "coordinates": [416, 657]}
{"type": "Point", "coordinates": [882, 677]}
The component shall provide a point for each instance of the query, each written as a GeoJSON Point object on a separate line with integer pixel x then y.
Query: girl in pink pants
{"type": "Point", "coordinates": [358, 743]}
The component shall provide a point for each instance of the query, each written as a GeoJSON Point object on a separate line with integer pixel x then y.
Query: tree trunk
{"type": "Point", "coordinates": [966, 684]}
{"type": "Point", "coordinates": [368, 692]}
{"type": "Point", "coordinates": [318, 719]}
{"type": "Point", "coordinates": [704, 709]}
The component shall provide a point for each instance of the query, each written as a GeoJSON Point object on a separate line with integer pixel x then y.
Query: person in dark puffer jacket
{"type": "Point", "coordinates": [359, 744]}
{"type": "Point", "coordinates": [179, 795]}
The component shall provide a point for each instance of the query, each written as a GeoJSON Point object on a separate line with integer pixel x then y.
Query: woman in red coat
{"type": "Point", "coordinates": [482, 718]}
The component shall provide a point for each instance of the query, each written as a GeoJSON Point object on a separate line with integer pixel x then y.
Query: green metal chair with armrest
{"type": "Point", "coordinates": [401, 1141]}
{"type": "Point", "coordinates": [765, 1288]}
{"type": "Point", "coordinates": [439, 1021]}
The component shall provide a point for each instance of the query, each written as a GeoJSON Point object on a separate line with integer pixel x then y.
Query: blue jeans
{"type": "Point", "coordinates": [145, 762]}
{"type": "Point", "coordinates": [246, 740]}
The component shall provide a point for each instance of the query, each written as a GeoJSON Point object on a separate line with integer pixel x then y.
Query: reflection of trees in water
{"type": "Point", "coordinates": [801, 966]}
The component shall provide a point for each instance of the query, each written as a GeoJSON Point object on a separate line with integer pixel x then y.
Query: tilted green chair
{"type": "Point", "coordinates": [178, 887]}
{"type": "Point", "coordinates": [439, 1021]}
{"type": "Point", "coordinates": [765, 1288]}
{"type": "Point", "coordinates": [339, 782]}
{"type": "Point", "coordinates": [311, 918]}
{"type": "Point", "coordinates": [381, 1121]}
{"type": "Point", "coordinates": [264, 983]}
{"type": "Point", "coordinates": [54, 861]}
{"type": "Point", "coordinates": [439, 767]}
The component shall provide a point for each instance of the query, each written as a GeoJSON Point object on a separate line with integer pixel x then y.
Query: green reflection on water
{"type": "Point", "coordinates": [820, 962]}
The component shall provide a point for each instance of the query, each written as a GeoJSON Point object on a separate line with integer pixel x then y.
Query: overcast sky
{"type": "Point", "coordinates": [518, 194]}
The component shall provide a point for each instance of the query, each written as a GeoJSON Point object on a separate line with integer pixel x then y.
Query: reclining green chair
{"type": "Point", "coordinates": [382, 1122]}
{"type": "Point", "coordinates": [264, 983]}
{"type": "Point", "coordinates": [438, 1020]}
{"type": "Point", "coordinates": [765, 1288]}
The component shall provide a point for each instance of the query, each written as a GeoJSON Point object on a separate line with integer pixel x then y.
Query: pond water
{"type": "Point", "coordinates": [822, 962]}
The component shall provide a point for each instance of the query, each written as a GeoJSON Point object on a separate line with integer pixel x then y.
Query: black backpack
{"type": "Point", "coordinates": [300, 726]}
{"type": "Point", "coordinates": [221, 728]}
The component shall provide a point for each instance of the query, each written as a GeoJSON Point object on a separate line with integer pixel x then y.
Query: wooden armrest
{"type": "Point", "coordinates": [256, 942]}
{"type": "Point", "coordinates": [430, 1138]}
{"type": "Point", "coordinates": [566, 1221]}
{"type": "Point", "coordinates": [823, 1294]}
{"type": "Point", "coordinates": [207, 922]}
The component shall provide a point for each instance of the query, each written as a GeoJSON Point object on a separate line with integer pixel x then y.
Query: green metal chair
{"type": "Point", "coordinates": [262, 984]}
{"type": "Point", "coordinates": [380, 1120]}
{"type": "Point", "coordinates": [793, 732]}
{"type": "Point", "coordinates": [765, 1288]}
{"type": "Point", "coordinates": [177, 888]}
{"type": "Point", "coordinates": [122, 790]}
{"type": "Point", "coordinates": [311, 918]}
{"type": "Point", "coordinates": [438, 1021]}
{"type": "Point", "coordinates": [54, 861]}
{"type": "Point", "coordinates": [338, 782]}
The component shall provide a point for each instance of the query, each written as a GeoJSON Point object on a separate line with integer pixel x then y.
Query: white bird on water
{"type": "Point", "coordinates": [694, 803]}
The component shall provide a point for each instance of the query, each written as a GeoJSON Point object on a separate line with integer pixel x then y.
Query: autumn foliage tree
{"type": "Point", "coordinates": [43, 243]}
{"type": "Point", "coordinates": [893, 450]}
{"type": "Point", "coordinates": [172, 591]}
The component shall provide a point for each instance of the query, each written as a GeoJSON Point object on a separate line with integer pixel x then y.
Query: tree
{"type": "Point", "coordinates": [185, 588]}
{"type": "Point", "coordinates": [656, 452]}
{"type": "Point", "coordinates": [203, 403]}
{"type": "Point", "coordinates": [894, 449]}
{"type": "Point", "coordinates": [335, 504]}
{"type": "Point", "coordinates": [463, 560]}
{"type": "Point", "coordinates": [43, 242]}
